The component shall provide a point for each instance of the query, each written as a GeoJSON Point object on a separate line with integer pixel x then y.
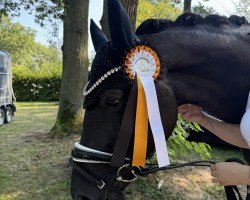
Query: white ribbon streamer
{"type": "Point", "coordinates": [155, 120]}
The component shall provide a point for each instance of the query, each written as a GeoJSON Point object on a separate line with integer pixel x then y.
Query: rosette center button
{"type": "Point", "coordinates": [143, 67]}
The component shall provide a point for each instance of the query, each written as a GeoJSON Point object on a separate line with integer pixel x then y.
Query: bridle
{"type": "Point", "coordinates": [125, 172]}
{"type": "Point", "coordinates": [82, 154]}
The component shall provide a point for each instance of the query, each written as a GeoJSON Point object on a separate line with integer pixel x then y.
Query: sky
{"type": "Point", "coordinates": [223, 7]}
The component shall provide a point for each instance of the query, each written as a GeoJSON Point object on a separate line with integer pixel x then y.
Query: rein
{"type": "Point", "coordinates": [82, 154]}
{"type": "Point", "coordinates": [128, 174]}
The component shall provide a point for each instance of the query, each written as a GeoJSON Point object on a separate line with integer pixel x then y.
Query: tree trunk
{"type": "Point", "coordinates": [75, 67]}
{"type": "Point", "coordinates": [187, 6]}
{"type": "Point", "coordinates": [129, 5]}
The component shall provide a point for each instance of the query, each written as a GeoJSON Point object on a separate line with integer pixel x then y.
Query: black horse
{"type": "Point", "coordinates": [204, 61]}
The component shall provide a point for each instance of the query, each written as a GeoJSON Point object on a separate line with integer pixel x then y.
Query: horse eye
{"type": "Point", "coordinates": [111, 103]}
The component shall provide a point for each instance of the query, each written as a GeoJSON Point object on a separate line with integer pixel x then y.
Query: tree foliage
{"type": "Point", "coordinates": [156, 9]}
{"type": "Point", "coordinates": [9, 7]}
{"type": "Point", "coordinates": [20, 42]}
{"type": "Point", "coordinates": [243, 8]}
{"type": "Point", "coordinates": [42, 9]}
{"type": "Point", "coordinates": [198, 8]}
{"type": "Point", "coordinates": [47, 13]}
{"type": "Point", "coordinates": [203, 10]}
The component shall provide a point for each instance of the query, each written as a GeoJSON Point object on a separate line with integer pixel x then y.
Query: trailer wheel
{"type": "Point", "coordinates": [2, 116]}
{"type": "Point", "coordinates": [8, 115]}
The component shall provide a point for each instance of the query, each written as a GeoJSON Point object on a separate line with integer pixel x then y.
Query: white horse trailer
{"type": "Point", "coordinates": [7, 107]}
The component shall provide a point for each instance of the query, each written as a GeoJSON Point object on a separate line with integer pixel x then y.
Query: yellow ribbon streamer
{"type": "Point", "coordinates": [141, 128]}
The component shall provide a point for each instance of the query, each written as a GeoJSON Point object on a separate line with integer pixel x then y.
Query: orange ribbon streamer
{"type": "Point", "coordinates": [141, 128]}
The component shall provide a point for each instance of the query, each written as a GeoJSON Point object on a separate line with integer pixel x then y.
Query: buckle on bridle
{"type": "Point", "coordinates": [126, 170]}
{"type": "Point", "coordinates": [102, 185]}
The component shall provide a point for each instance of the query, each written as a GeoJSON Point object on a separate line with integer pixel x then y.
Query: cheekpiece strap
{"type": "Point", "coordinates": [126, 129]}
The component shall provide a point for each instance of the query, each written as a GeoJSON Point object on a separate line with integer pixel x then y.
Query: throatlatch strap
{"type": "Point", "coordinates": [126, 129]}
{"type": "Point", "coordinates": [141, 128]}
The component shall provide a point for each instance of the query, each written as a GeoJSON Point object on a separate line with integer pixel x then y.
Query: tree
{"type": "Point", "coordinates": [75, 67]}
{"type": "Point", "coordinates": [75, 61]}
{"type": "Point", "coordinates": [131, 8]}
{"type": "Point", "coordinates": [187, 6]}
{"type": "Point", "coordinates": [20, 42]}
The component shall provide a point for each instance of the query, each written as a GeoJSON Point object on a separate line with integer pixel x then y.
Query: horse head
{"type": "Point", "coordinates": [106, 99]}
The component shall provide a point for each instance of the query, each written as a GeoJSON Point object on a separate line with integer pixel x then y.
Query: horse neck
{"type": "Point", "coordinates": [220, 89]}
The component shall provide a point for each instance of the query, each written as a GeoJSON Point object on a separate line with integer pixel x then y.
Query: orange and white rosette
{"type": "Point", "coordinates": [144, 62]}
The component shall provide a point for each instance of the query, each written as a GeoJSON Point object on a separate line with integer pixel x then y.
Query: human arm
{"type": "Point", "coordinates": [228, 132]}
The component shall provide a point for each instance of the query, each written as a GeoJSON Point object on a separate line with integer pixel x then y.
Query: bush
{"type": "Point", "coordinates": [179, 146]}
{"type": "Point", "coordinates": [30, 85]}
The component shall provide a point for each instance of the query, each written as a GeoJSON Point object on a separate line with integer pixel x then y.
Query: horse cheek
{"type": "Point", "coordinates": [167, 106]}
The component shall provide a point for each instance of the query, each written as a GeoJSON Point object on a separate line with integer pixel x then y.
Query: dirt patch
{"type": "Point", "coordinates": [35, 136]}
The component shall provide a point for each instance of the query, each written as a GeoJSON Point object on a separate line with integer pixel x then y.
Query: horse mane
{"type": "Point", "coordinates": [152, 26]}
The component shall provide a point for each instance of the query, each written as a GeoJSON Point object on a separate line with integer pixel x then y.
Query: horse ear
{"type": "Point", "coordinates": [119, 25]}
{"type": "Point", "coordinates": [98, 37]}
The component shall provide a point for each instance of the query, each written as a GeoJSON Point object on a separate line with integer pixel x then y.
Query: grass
{"type": "Point", "coordinates": [34, 166]}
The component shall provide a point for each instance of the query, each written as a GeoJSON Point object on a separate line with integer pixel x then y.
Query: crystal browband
{"type": "Point", "coordinates": [100, 80]}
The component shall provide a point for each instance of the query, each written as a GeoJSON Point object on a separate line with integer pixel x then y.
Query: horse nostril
{"type": "Point", "coordinates": [248, 34]}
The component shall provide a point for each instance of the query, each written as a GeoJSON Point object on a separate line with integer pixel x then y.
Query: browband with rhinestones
{"type": "Point", "coordinates": [100, 80]}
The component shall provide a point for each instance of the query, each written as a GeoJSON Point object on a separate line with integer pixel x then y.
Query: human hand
{"type": "Point", "coordinates": [191, 113]}
{"type": "Point", "coordinates": [230, 173]}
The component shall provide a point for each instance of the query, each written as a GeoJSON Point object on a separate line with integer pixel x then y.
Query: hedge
{"type": "Point", "coordinates": [36, 85]}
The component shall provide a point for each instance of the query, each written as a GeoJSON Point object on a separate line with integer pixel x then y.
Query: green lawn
{"type": "Point", "coordinates": [34, 166]}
